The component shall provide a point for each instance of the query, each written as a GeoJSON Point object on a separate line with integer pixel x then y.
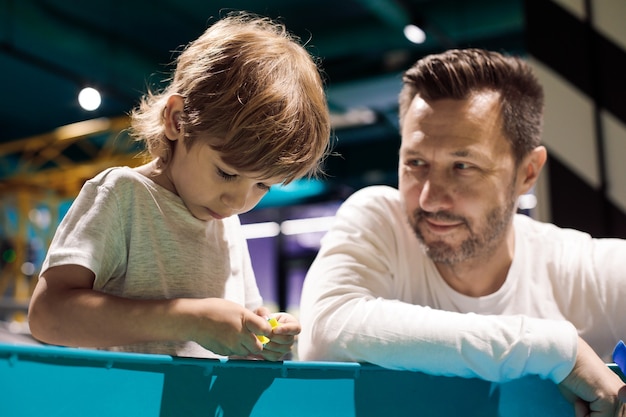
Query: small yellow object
{"type": "Point", "coordinates": [272, 321]}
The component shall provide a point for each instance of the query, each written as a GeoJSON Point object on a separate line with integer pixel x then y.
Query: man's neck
{"type": "Point", "coordinates": [481, 275]}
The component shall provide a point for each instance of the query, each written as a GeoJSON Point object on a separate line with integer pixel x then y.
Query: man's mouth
{"type": "Point", "coordinates": [439, 223]}
{"type": "Point", "coordinates": [441, 226]}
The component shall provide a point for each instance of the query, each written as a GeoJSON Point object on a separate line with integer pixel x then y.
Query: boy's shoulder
{"type": "Point", "coordinates": [117, 176]}
{"type": "Point", "coordinates": [123, 182]}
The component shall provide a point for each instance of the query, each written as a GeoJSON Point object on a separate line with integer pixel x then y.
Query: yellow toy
{"type": "Point", "coordinates": [274, 323]}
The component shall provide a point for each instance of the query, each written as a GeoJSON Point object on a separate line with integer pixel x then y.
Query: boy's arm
{"type": "Point", "coordinates": [65, 310]}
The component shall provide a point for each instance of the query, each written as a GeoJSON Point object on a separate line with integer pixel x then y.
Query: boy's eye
{"type": "Point", "coordinates": [263, 187]}
{"type": "Point", "coordinates": [225, 176]}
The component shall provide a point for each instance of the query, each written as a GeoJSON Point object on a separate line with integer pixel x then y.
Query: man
{"type": "Point", "coordinates": [442, 276]}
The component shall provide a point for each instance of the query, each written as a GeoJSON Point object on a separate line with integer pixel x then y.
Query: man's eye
{"type": "Point", "coordinates": [416, 162]}
{"type": "Point", "coordinates": [225, 176]}
{"type": "Point", "coordinates": [462, 166]}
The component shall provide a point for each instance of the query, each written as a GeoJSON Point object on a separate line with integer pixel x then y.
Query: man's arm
{"type": "Point", "coordinates": [592, 387]}
{"type": "Point", "coordinates": [358, 327]}
{"type": "Point", "coordinates": [358, 304]}
{"type": "Point", "coordinates": [398, 335]}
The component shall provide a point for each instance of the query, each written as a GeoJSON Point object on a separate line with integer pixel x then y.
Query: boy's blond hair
{"type": "Point", "coordinates": [252, 92]}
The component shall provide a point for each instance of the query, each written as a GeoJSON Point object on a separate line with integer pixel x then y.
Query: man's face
{"type": "Point", "coordinates": [457, 177]}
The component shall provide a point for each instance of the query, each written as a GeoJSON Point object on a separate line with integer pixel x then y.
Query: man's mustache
{"type": "Point", "coordinates": [420, 214]}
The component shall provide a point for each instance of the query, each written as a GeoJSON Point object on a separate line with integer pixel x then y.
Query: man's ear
{"type": "Point", "coordinates": [172, 117]}
{"type": "Point", "coordinates": [530, 168]}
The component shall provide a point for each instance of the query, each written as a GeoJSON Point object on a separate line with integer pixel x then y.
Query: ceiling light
{"type": "Point", "coordinates": [308, 225]}
{"type": "Point", "coordinates": [260, 230]}
{"type": "Point", "coordinates": [527, 202]}
{"type": "Point", "coordinates": [89, 98]}
{"type": "Point", "coordinates": [414, 34]}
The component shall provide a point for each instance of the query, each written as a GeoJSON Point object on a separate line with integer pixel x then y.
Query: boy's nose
{"type": "Point", "coordinates": [235, 199]}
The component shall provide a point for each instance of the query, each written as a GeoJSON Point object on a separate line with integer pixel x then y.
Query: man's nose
{"type": "Point", "coordinates": [435, 195]}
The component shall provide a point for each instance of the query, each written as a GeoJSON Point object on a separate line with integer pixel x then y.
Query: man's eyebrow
{"type": "Point", "coordinates": [408, 152]}
{"type": "Point", "coordinates": [460, 153]}
{"type": "Point", "coordinates": [463, 153]}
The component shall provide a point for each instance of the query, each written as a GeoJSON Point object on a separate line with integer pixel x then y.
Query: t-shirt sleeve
{"type": "Point", "coordinates": [91, 234]}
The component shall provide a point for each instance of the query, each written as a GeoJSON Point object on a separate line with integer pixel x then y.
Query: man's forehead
{"type": "Point", "coordinates": [458, 128]}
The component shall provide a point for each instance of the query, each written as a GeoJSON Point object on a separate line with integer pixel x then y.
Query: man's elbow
{"type": "Point", "coordinates": [317, 344]}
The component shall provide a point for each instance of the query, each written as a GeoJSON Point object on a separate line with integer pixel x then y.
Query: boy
{"type": "Point", "coordinates": [152, 259]}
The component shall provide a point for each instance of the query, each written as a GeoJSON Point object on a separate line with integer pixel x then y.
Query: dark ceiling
{"type": "Point", "coordinates": [49, 49]}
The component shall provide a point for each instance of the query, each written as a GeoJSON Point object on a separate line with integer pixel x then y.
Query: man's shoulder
{"type": "Point", "coordinates": [549, 235]}
{"type": "Point", "coordinates": [372, 204]}
{"type": "Point", "coordinates": [375, 194]}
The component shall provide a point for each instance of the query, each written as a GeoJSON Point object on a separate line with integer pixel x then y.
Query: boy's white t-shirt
{"type": "Point", "coordinates": [141, 242]}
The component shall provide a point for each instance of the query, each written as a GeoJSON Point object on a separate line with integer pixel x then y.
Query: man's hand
{"type": "Point", "coordinates": [592, 387]}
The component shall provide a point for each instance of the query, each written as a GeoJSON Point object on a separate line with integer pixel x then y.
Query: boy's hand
{"type": "Point", "coordinates": [227, 328]}
{"type": "Point", "coordinates": [281, 337]}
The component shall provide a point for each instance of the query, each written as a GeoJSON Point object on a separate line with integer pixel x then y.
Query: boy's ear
{"type": "Point", "coordinates": [530, 168]}
{"type": "Point", "coordinates": [172, 117]}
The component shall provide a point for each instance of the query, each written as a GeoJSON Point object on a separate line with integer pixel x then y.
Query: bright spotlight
{"type": "Point", "coordinates": [414, 34]}
{"type": "Point", "coordinates": [89, 98]}
{"type": "Point", "coordinates": [527, 201]}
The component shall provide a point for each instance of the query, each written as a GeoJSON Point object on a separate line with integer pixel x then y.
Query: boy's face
{"type": "Point", "coordinates": [211, 189]}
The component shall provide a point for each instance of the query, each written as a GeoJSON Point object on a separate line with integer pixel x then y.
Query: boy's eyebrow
{"type": "Point", "coordinates": [257, 176]}
{"type": "Point", "coordinates": [262, 177]}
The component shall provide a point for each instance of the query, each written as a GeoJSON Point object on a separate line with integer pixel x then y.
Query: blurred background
{"type": "Point", "coordinates": [53, 138]}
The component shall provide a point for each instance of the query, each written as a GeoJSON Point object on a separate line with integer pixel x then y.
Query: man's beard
{"type": "Point", "coordinates": [480, 242]}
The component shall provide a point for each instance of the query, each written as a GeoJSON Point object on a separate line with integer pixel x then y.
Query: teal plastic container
{"type": "Point", "coordinates": [66, 382]}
